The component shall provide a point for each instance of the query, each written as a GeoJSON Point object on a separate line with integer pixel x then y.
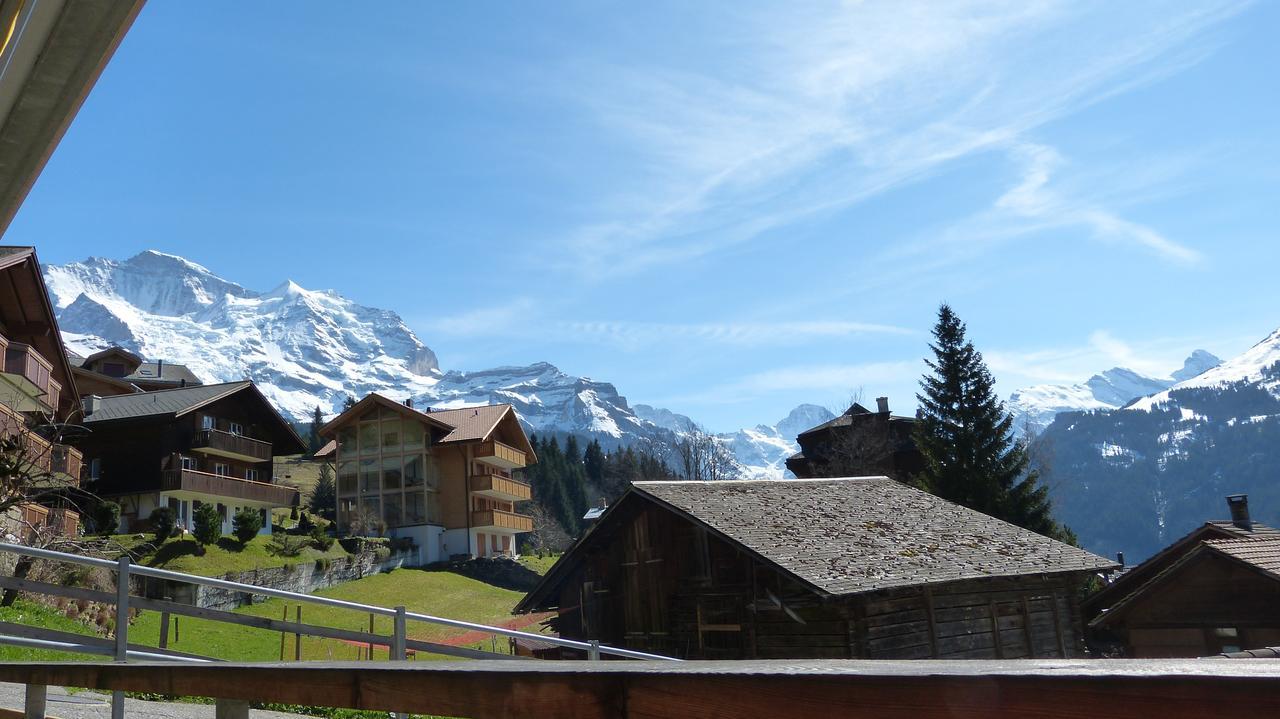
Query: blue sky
{"type": "Point", "coordinates": [726, 209]}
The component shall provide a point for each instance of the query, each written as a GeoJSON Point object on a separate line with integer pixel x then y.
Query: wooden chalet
{"type": "Point", "coordinates": [116, 370]}
{"type": "Point", "coordinates": [447, 479]}
{"type": "Point", "coordinates": [37, 392]}
{"type": "Point", "coordinates": [1215, 590]}
{"type": "Point", "coordinates": [210, 444]}
{"type": "Point", "coordinates": [859, 442]}
{"type": "Point", "coordinates": [863, 567]}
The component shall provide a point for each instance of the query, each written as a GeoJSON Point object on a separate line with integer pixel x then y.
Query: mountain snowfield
{"type": "Point", "coordinates": [1249, 366]}
{"type": "Point", "coordinates": [1034, 408]}
{"type": "Point", "coordinates": [307, 348]}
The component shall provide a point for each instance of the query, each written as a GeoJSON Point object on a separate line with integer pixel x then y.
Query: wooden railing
{"type": "Point", "coordinates": [501, 454]}
{"type": "Point", "coordinates": [216, 439]}
{"type": "Point", "coordinates": [23, 360]}
{"type": "Point", "coordinates": [503, 487]}
{"type": "Point", "coordinates": [68, 461]}
{"type": "Point", "coordinates": [501, 520]}
{"type": "Point", "coordinates": [64, 521]}
{"type": "Point", "coordinates": [189, 480]}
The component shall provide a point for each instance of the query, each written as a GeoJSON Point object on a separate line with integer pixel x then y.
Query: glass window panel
{"type": "Point", "coordinates": [347, 478]}
{"type": "Point", "coordinates": [431, 473]}
{"type": "Point", "coordinates": [347, 439]}
{"type": "Point", "coordinates": [391, 436]}
{"type": "Point", "coordinates": [370, 416]}
{"type": "Point", "coordinates": [413, 475]}
{"type": "Point", "coordinates": [415, 507]}
{"type": "Point", "coordinates": [369, 476]}
{"type": "Point", "coordinates": [391, 509]}
{"type": "Point", "coordinates": [370, 504]}
{"type": "Point", "coordinates": [346, 508]}
{"type": "Point", "coordinates": [369, 438]}
{"type": "Point", "coordinates": [391, 469]}
{"type": "Point", "coordinates": [412, 434]}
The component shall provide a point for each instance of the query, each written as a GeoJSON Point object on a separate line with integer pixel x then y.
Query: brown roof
{"type": "Point", "coordinates": [1261, 553]}
{"type": "Point", "coordinates": [471, 423]}
{"type": "Point", "coordinates": [862, 534]}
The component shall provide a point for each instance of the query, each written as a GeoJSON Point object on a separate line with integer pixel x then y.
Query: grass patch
{"type": "Point", "coordinates": [32, 614]}
{"type": "Point", "coordinates": [228, 555]}
{"type": "Point", "coordinates": [439, 593]}
{"type": "Point", "coordinates": [539, 564]}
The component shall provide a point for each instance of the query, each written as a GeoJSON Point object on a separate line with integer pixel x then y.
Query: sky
{"type": "Point", "coordinates": [726, 209]}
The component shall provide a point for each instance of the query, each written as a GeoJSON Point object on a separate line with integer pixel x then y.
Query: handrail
{"type": "Point", "coordinates": [92, 649]}
{"type": "Point", "coordinates": [591, 647]}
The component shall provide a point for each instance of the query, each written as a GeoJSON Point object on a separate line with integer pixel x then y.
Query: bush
{"type": "Point", "coordinates": [283, 545]}
{"type": "Point", "coordinates": [207, 523]}
{"type": "Point", "coordinates": [320, 539]}
{"type": "Point", "coordinates": [305, 525]}
{"type": "Point", "coordinates": [246, 524]}
{"type": "Point", "coordinates": [106, 518]}
{"type": "Point", "coordinates": [163, 523]}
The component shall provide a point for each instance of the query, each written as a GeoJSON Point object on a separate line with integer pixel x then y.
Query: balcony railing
{"type": "Point", "coordinates": [500, 487]}
{"type": "Point", "coordinates": [34, 373]}
{"type": "Point", "coordinates": [65, 521]}
{"type": "Point", "coordinates": [500, 455]}
{"type": "Point", "coordinates": [498, 519]}
{"type": "Point", "coordinates": [67, 461]}
{"type": "Point", "coordinates": [216, 441]}
{"type": "Point", "coordinates": [190, 480]}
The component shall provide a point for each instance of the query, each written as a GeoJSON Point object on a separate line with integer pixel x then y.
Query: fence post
{"type": "Point", "coordinates": [398, 636]}
{"type": "Point", "coordinates": [35, 703]}
{"type": "Point", "coordinates": [594, 652]}
{"type": "Point", "coordinates": [122, 630]}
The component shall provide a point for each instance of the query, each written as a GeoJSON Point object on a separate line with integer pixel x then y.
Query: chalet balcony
{"type": "Point", "coordinates": [65, 521]}
{"type": "Point", "coordinates": [501, 487]}
{"type": "Point", "coordinates": [500, 455]}
{"type": "Point", "coordinates": [490, 519]}
{"type": "Point", "coordinates": [192, 482]}
{"type": "Point", "coordinates": [235, 446]}
{"type": "Point", "coordinates": [67, 462]}
{"type": "Point", "coordinates": [31, 375]}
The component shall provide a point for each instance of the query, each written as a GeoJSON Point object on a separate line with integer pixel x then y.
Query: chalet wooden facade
{"type": "Point", "coordinates": [859, 442]}
{"type": "Point", "coordinates": [1215, 590]}
{"type": "Point", "coordinates": [37, 393]}
{"type": "Point", "coordinates": [448, 479]}
{"type": "Point", "coordinates": [180, 448]}
{"type": "Point", "coordinates": [115, 370]}
{"type": "Point", "coordinates": [849, 567]}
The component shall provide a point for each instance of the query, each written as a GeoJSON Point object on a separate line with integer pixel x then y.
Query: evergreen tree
{"type": "Point", "coordinates": [966, 437]}
{"type": "Point", "coordinates": [593, 463]}
{"type": "Point", "coordinates": [348, 403]}
{"type": "Point", "coordinates": [324, 496]}
{"type": "Point", "coordinates": [313, 438]}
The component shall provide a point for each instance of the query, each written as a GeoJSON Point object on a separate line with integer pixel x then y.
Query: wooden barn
{"type": "Point", "coordinates": [851, 567]}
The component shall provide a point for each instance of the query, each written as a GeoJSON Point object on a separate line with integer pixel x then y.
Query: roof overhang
{"type": "Point", "coordinates": [53, 52]}
{"type": "Point", "coordinates": [373, 399]}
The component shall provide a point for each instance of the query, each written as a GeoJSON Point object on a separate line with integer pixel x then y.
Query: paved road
{"type": "Point", "coordinates": [90, 705]}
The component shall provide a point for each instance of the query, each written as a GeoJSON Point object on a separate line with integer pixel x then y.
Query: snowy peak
{"type": "Point", "coordinates": [1250, 366]}
{"type": "Point", "coordinates": [804, 417]}
{"type": "Point", "coordinates": [1198, 363]}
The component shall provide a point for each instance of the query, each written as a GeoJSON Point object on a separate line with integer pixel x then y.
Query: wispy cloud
{"type": "Point", "coordinates": [816, 109]}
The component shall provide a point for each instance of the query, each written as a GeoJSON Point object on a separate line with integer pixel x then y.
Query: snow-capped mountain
{"type": "Point", "coordinates": [1034, 408]}
{"type": "Point", "coordinates": [307, 348]}
{"type": "Point", "coordinates": [1252, 366]}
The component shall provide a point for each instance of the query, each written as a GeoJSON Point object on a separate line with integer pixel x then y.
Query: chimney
{"type": "Point", "coordinates": [91, 404]}
{"type": "Point", "coordinates": [882, 405]}
{"type": "Point", "coordinates": [408, 402]}
{"type": "Point", "coordinates": [159, 369]}
{"type": "Point", "coordinates": [1239, 506]}
{"type": "Point", "coordinates": [1120, 559]}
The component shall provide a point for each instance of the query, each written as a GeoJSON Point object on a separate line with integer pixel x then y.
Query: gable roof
{"type": "Point", "coordinates": [26, 281]}
{"type": "Point", "coordinates": [373, 398]}
{"type": "Point", "coordinates": [465, 424]}
{"type": "Point", "coordinates": [145, 372]}
{"type": "Point", "coordinates": [853, 535]}
{"type": "Point", "coordinates": [132, 360]}
{"type": "Point", "coordinates": [1261, 555]}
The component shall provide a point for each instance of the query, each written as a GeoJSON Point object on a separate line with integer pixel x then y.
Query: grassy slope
{"type": "Point", "coordinates": [180, 555]}
{"type": "Point", "coordinates": [438, 593]}
{"type": "Point", "coordinates": [32, 614]}
{"type": "Point", "coordinates": [539, 564]}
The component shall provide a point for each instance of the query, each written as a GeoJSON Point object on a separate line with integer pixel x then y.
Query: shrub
{"type": "Point", "coordinates": [283, 545]}
{"type": "Point", "coordinates": [305, 525]}
{"type": "Point", "coordinates": [106, 518]}
{"type": "Point", "coordinates": [163, 523]}
{"type": "Point", "coordinates": [320, 539]}
{"type": "Point", "coordinates": [207, 524]}
{"type": "Point", "coordinates": [246, 524]}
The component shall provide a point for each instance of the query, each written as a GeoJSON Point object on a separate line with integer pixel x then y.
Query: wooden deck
{"type": "Point", "coordinates": [1047, 689]}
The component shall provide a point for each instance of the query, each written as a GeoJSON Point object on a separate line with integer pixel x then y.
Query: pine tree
{"type": "Point", "coordinates": [314, 438]}
{"type": "Point", "coordinates": [593, 462]}
{"type": "Point", "coordinates": [966, 437]}
{"type": "Point", "coordinates": [324, 496]}
{"type": "Point", "coordinates": [348, 403]}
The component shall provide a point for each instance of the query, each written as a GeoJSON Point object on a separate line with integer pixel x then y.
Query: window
{"type": "Point", "coordinates": [346, 508]}
{"type": "Point", "coordinates": [95, 468]}
{"type": "Point", "coordinates": [391, 509]}
{"type": "Point", "coordinates": [412, 433]}
{"type": "Point", "coordinates": [369, 441]}
{"type": "Point", "coordinates": [113, 369]}
{"type": "Point", "coordinates": [251, 474]}
{"type": "Point", "coordinates": [413, 471]}
{"type": "Point", "coordinates": [369, 481]}
{"type": "Point", "coordinates": [391, 435]}
{"type": "Point", "coordinates": [190, 464]}
{"type": "Point", "coordinates": [222, 470]}
{"type": "Point", "coordinates": [235, 428]}
{"type": "Point", "coordinates": [391, 469]}
{"type": "Point", "coordinates": [207, 422]}
{"type": "Point", "coordinates": [347, 477]}
{"type": "Point", "coordinates": [415, 508]}
{"type": "Point", "coordinates": [347, 440]}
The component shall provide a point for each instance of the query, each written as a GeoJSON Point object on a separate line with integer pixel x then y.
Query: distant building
{"type": "Point", "coordinates": [180, 448]}
{"type": "Point", "coordinates": [859, 443]}
{"type": "Point", "coordinates": [1215, 590]}
{"type": "Point", "coordinates": [847, 567]}
{"type": "Point", "coordinates": [446, 478]}
{"type": "Point", "coordinates": [117, 371]}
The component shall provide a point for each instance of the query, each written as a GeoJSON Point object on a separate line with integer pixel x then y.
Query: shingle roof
{"type": "Point", "coordinates": [1256, 530]}
{"type": "Point", "coordinates": [1261, 553]}
{"type": "Point", "coordinates": [147, 371]}
{"type": "Point", "coordinates": [161, 402]}
{"type": "Point", "coordinates": [470, 423]}
{"type": "Point", "coordinates": [861, 534]}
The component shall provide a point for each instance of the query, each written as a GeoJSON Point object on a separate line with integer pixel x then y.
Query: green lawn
{"type": "Point", "coordinates": [439, 593]}
{"type": "Point", "coordinates": [539, 564]}
{"type": "Point", "coordinates": [38, 615]}
{"type": "Point", "coordinates": [182, 555]}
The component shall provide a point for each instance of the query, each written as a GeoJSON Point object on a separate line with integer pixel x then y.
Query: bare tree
{"type": "Point", "coordinates": [547, 535]}
{"type": "Point", "coordinates": [701, 457]}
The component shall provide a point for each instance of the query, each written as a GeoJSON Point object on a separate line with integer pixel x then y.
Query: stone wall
{"type": "Point", "coordinates": [301, 578]}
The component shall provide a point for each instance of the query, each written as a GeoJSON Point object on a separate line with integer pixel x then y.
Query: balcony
{"type": "Point", "coordinates": [65, 521]}
{"type": "Point", "coordinates": [215, 485]}
{"type": "Point", "coordinates": [490, 519]}
{"type": "Point", "coordinates": [26, 371]}
{"type": "Point", "coordinates": [67, 462]}
{"type": "Point", "coordinates": [500, 455]}
{"type": "Point", "coordinates": [498, 486]}
{"type": "Point", "coordinates": [235, 446]}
